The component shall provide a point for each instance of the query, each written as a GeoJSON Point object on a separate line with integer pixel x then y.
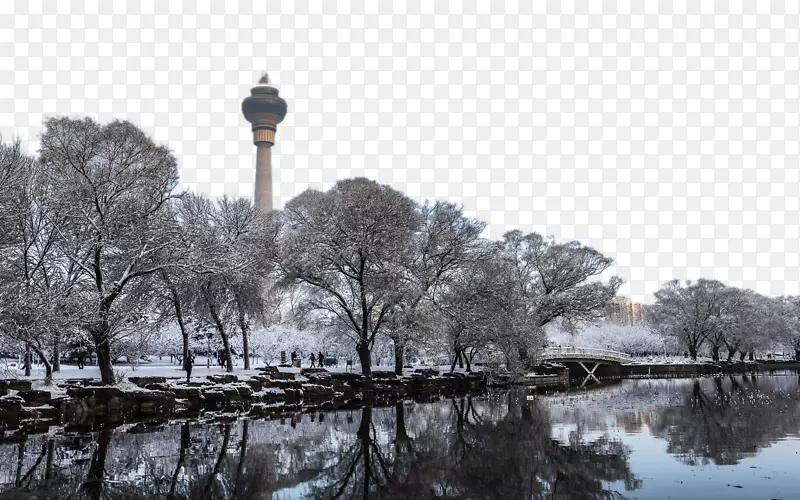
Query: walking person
{"type": "Point", "coordinates": [187, 365]}
{"type": "Point", "coordinates": [313, 358]}
{"type": "Point", "coordinates": [321, 357]}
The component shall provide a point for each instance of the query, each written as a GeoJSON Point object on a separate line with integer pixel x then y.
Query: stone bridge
{"type": "Point", "coordinates": [582, 356]}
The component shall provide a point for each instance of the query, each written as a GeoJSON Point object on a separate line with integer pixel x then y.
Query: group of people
{"type": "Point", "coordinates": [317, 360]}
{"type": "Point", "coordinates": [188, 362]}
{"type": "Point", "coordinates": [320, 357]}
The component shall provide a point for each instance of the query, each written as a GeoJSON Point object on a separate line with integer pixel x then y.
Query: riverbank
{"type": "Point", "coordinates": [272, 390]}
{"type": "Point", "coordinates": [706, 368]}
{"type": "Point", "coordinates": [81, 400]}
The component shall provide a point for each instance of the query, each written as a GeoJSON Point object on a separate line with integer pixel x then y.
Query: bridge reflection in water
{"type": "Point", "coordinates": [574, 357]}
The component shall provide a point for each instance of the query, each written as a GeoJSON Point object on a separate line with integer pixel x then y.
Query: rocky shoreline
{"type": "Point", "coordinates": [281, 392]}
{"type": "Point", "coordinates": [80, 401]}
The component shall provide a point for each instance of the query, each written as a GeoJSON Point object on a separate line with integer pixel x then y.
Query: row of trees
{"type": "Point", "coordinates": [97, 245]}
{"type": "Point", "coordinates": [709, 315]}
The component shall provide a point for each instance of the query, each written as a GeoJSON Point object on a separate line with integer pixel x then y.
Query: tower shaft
{"type": "Point", "coordinates": [263, 187]}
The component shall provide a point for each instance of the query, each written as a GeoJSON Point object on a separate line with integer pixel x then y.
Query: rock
{"type": "Point", "coordinates": [383, 374]}
{"type": "Point", "coordinates": [307, 371]}
{"type": "Point", "coordinates": [105, 395]}
{"type": "Point", "coordinates": [15, 385]}
{"type": "Point", "coordinates": [213, 400]}
{"type": "Point", "coordinates": [315, 391]}
{"type": "Point", "coordinates": [77, 392]}
{"type": "Point", "coordinates": [255, 384]}
{"type": "Point", "coordinates": [151, 403]}
{"type": "Point", "coordinates": [426, 372]}
{"type": "Point", "coordinates": [10, 407]}
{"type": "Point", "coordinates": [36, 398]}
{"type": "Point", "coordinates": [145, 381]}
{"type": "Point", "coordinates": [269, 369]}
{"type": "Point", "coordinates": [223, 379]}
{"type": "Point", "coordinates": [282, 376]}
{"type": "Point", "coordinates": [158, 386]}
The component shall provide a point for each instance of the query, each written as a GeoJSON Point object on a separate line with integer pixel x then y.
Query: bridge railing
{"type": "Point", "coordinates": [585, 353]}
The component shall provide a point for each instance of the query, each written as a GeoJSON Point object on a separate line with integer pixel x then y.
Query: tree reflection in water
{"type": "Point", "coordinates": [725, 419]}
{"type": "Point", "coordinates": [470, 454]}
{"type": "Point", "coordinates": [496, 446]}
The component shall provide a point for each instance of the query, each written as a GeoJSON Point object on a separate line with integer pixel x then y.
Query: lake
{"type": "Point", "coordinates": [729, 437]}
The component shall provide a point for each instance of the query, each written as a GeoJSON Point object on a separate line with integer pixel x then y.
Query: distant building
{"type": "Point", "coordinates": [623, 311]}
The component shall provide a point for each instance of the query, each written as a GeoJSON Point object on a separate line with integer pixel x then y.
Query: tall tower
{"type": "Point", "coordinates": [264, 110]}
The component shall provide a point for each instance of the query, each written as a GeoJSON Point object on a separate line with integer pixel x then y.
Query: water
{"type": "Point", "coordinates": [730, 437]}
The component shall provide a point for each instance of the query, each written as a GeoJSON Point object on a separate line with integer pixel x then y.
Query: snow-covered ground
{"type": "Point", "coordinates": [668, 360]}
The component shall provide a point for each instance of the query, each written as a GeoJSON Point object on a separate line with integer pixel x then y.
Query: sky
{"type": "Point", "coordinates": [664, 134]}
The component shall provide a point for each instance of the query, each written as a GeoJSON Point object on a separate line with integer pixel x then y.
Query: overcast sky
{"type": "Point", "coordinates": [664, 134]}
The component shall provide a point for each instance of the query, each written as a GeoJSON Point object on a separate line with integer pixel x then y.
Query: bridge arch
{"type": "Point", "coordinates": [588, 359]}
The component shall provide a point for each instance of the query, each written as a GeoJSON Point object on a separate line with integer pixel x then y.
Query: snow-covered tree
{"type": "Point", "coordinates": [787, 326]}
{"type": "Point", "coordinates": [554, 281]}
{"type": "Point", "coordinates": [636, 340]}
{"type": "Point", "coordinates": [444, 244]}
{"type": "Point", "coordinates": [347, 248]}
{"type": "Point", "coordinates": [689, 311]}
{"type": "Point", "coordinates": [476, 308]}
{"type": "Point", "coordinates": [36, 281]}
{"type": "Point", "coordinates": [113, 186]}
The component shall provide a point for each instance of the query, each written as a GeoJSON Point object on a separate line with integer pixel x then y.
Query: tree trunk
{"type": "Point", "coordinates": [27, 360]}
{"type": "Point", "coordinates": [715, 353]}
{"type": "Point", "coordinates": [185, 444]}
{"type": "Point", "coordinates": [242, 456]}
{"type": "Point", "coordinates": [20, 462]}
{"type": "Point", "coordinates": [453, 364]}
{"type": "Point", "coordinates": [742, 355]}
{"type": "Point", "coordinates": [229, 358]}
{"type": "Point", "coordinates": [460, 359]}
{"type": "Point", "coordinates": [797, 353]}
{"type": "Point", "coordinates": [693, 352]}
{"type": "Point", "coordinates": [730, 355]}
{"type": "Point", "coordinates": [468, 359]}
{"type": "Point", "coordinates": [245, 333]}
{"type": "Point", "coordinates": [104, 360]}
{"type": "Point", "coordinates": [523, 358]}
{"type": "Point", "coordinates": [366, 363]}
{"type": "Point", "coordinates": [218, 465]}
{"type": "Point", "coordinates": [57, 353]}
{"type": "Point", "coordinates": [184, 330]}
{"type": "Point", "coordinates": [364, 437]}
{"type": "Point", "coordinates": [401, 434]}
{"type": "Point", "coordinates": [221, 329]}
{"type": "Point", "coordinates": [48, 470]}
{"type": "Point", "coordinates": [246, 349]}
{"type": "Point", "coordinates": [48, 368]}
{"type": "Point", "coordinates": [750, 355]}
{"type": "Point", "coordinates": [399, 349]}
{"type": "Point", "coordinates": [97, 468]}
{"type": "Point", "coordinates": [176, 303]}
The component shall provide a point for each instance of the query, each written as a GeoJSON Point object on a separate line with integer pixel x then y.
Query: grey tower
{"type": "Point", "coordinates": [264, 110]}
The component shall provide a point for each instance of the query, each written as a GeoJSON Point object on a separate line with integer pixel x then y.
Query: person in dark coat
{"type": "Point", "coordinates": [313, 359]}
{"type": "Point", "coordinates": [320, 357]}
{"type": "Point", "coordinates": [187, 365]}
